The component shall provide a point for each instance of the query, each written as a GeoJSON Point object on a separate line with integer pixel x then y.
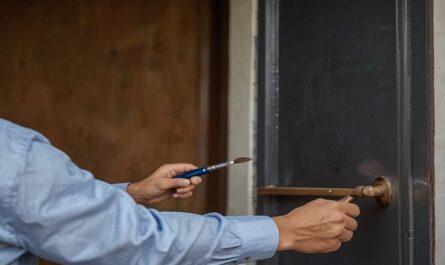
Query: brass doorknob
{"type": "Point", "coordinates": [381, 190]}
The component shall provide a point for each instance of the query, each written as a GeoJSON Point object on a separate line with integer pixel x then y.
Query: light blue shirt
{"type": "Point", "coordinates": [52, 209]}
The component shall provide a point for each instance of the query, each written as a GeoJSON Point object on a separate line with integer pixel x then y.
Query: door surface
{"type": "Point", "coordinates": [343, 99]}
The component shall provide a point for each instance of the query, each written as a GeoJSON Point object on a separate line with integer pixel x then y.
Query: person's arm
{"type": "Point", "coordinates": [63, 214]}
{"type": "Point", "coordinates": [58, 211]}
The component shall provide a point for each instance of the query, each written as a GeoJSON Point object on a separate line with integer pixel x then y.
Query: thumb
{"type": "Point", "coordinates": [179, 168]}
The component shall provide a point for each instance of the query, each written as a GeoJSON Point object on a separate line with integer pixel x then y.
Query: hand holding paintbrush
{"type": "Point", "coordinates": [172, 180]}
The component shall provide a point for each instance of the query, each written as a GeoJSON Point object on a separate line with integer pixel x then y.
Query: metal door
{"type": "Point", "coordinates": [344, 97]}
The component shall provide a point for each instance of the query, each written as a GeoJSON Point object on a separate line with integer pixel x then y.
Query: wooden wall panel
{"type": "Point", "coordinates": [121, 86]}
{"type": "Point", "coordinates": [115, 84]}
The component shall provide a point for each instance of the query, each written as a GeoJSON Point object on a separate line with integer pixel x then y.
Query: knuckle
{"type": "Point", "coordinates": [333, 205]}
{"type": "Point", "coordinates": [338, 218]}
{"type": "Point", "coordinates": [335, 232]}
{"type": "Point", "coordinates": [159, 184]}
{"type": "Point", "coordinates": [338, 205]}
{"type": "Point", "coordinates": [338, 231]}
{"type": "Point", "coordinates": [163, 185]}
{"type": "Point", "coordinates": [320, 200]}
{"type": "Point", "coordinates": [181, 181]}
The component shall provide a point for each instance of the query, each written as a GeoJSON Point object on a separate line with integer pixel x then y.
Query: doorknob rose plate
{"type": "Point", "coordinates": [384, 185]}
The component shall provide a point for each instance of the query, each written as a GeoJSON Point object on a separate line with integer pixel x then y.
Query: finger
{"type": "Point", "coordinates": [186, 189]}
{"type": "Point", "coordinates": [346, 235]}
{"type": "Point", "coordinates": [350, 223]}
{"type": "Point", "coordinates": [166, 184]}
{"type": "Point", "coordinates": [183, 195]}
{"type": "Point", "coordinates": [350, 209]}
{"type": "Point", "coordinates": [195, 180]}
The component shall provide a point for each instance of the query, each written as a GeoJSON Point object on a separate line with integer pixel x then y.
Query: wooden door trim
{"type": "Point", "coordinates": [213, 52]}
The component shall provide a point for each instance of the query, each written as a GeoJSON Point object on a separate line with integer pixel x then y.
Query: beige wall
{"type": "Point", "coordinates": [241, 114]}
{"type": "Point", "coordinates": [439, 90]}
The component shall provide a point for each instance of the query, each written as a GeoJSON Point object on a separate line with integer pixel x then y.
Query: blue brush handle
{"type": "Point", "coordinates": [195, 172]}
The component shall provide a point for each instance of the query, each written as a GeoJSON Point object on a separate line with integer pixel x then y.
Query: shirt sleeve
{"type": "Point", "coordinates": [63, 214]}
{"type": "Point", "coordinates": [121, 186]}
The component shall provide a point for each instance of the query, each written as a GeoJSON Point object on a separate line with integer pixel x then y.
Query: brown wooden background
{"type": "Point", "coordinates": [121, 86]}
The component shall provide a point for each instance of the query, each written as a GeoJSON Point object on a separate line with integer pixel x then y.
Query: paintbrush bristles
{"type": "Point", "coordinates": [241, 159]}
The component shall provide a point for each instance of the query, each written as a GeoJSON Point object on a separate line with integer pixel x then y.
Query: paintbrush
{"type": "Point", "coordinates": [204, 170]}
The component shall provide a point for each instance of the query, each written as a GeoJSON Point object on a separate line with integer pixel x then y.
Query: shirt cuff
{"type": "Point", "coordinates": [259, 237]}
{"type": "Point", "coordinates": [121, 186]}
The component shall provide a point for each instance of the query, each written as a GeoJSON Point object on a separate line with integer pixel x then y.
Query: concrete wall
{"type": "Point", "coordinates": [439, 90]}
{"type": "Point", "coordinates": [241, 115]}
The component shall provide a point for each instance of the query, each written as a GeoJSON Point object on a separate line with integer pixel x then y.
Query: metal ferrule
{"type": "Point", "coordinates": [220, 165]}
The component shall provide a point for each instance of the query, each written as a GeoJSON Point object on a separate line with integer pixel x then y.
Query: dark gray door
{"type": "Point", "coordinates": [344, 98]}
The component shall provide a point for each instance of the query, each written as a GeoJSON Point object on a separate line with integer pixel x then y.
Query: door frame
{"type": "Point", "coordinates": [242, 105]}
